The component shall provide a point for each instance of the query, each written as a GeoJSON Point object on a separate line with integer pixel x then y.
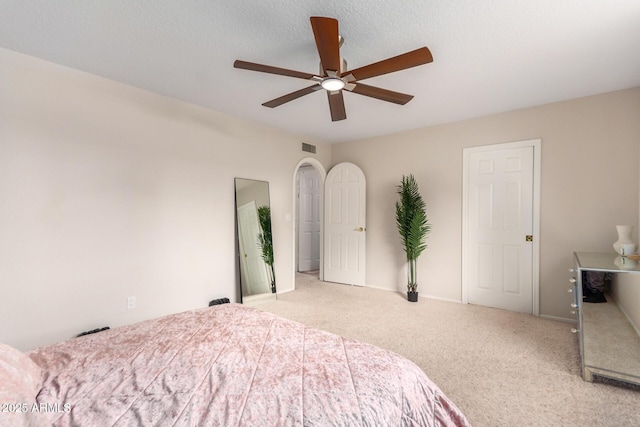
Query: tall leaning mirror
{"type": "Point", "coordinates": [254, 240]}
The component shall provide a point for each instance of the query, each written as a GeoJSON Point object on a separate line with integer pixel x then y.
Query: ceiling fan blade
{"type": "Point", "coordinates": [336, 105]}
{"type": "Point", "coordinates": [390, 65]}
{"type": "Point", "coordinates": [325, 31]}
{"type": "Point", "coordinates": [291, 96]}
{"type": "Point", "coordinates": [383, 94]}
{"type": "Point", "coordinates": [272, 70]}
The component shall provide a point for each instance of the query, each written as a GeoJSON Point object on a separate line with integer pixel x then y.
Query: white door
{"type": "Point", "coordinates": [499, 232]}
{"type": "Point", "coordinates": [254, 269]}
{"type": "Point", "coordinates": [345, 225]}
{"type": "Point", "coordinates": [309, 219]}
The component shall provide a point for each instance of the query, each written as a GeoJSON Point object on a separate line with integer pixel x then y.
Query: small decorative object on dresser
{"type": "Point", "coordinates": [624, 245]}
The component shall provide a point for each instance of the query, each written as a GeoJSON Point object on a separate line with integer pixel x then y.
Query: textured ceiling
{"type": "Point", "coordinates": [489, 55]}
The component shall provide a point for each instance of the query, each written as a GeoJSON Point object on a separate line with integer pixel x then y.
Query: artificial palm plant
{"type": "Point", "coordinates": [265, 242]}
{"type": "Point", "coordinates": [413, 225]}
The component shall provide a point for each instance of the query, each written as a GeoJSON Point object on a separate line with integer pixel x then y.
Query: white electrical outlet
{"type": "Point", "coordinates": [131, 303]}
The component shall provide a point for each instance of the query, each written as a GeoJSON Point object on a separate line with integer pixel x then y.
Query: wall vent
{"type": "Point", "coordinates": [308, 148]}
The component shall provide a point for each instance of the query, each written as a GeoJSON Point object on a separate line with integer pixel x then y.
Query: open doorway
{"type": "Point", "coordinates": [308, 185]}
{"type": "Point", "coordinates": [309, 192]}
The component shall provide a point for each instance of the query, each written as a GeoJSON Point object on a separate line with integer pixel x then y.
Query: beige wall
{"type": "Point", "coordinates": [108, 191]}
{"type": "Point", "coordinates": [626, 290]}
{"type": "Point", "coordinates": [589, 183]}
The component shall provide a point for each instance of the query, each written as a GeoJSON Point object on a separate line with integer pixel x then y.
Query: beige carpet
{"type": "Point", "coordinates": [500, 368]}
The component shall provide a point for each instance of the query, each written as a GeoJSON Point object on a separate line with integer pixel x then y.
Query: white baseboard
{"type": "Point", "coordinates": [559, 319]}
{"type": "Point", "coordinates": [457, 301]}
{"type": "Point", "coordinates": [422, 295]}
{"type": "Point", "coordinates": [254, 300]}
{"type": "Point", "coordinates": [380, 288]}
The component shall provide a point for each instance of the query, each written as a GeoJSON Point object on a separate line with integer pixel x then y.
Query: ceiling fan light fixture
{"type": "Point", "coordinates": [332, 84]}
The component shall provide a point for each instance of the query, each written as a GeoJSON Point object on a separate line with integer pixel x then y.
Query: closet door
{"type": "Point", "coordinates": [499, 223]}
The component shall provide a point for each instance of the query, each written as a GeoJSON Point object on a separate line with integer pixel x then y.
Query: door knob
{"type": "Point", "coordinates": [360, 229]}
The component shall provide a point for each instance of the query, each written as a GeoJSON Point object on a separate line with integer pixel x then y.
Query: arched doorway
{"type": "Point", "coordinates": [308, 228]}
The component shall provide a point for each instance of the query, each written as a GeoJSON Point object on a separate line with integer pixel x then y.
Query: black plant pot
{"type": "Point", "coordinates": [412, 296]}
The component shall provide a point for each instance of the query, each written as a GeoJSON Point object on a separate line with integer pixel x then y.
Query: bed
{"type": "Point", "coordinates": [226, 365]}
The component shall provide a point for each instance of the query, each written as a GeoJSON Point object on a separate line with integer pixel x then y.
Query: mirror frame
{"type": "Point", "coordinates": [255, 263]}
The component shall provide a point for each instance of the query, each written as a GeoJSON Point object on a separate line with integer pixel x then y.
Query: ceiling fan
{"type": "Point", "coordinates": [333, 76]}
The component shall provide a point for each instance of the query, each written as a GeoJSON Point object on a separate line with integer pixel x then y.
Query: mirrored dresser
{"type": "Point", "coordinates": [608, 331]}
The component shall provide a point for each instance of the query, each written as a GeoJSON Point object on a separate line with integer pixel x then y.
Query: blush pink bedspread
{"type": "Point", "coordinates": [232, 365]}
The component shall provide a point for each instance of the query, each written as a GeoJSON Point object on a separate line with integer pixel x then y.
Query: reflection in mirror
{"type": "Point", "coordinates": [255, 242]}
